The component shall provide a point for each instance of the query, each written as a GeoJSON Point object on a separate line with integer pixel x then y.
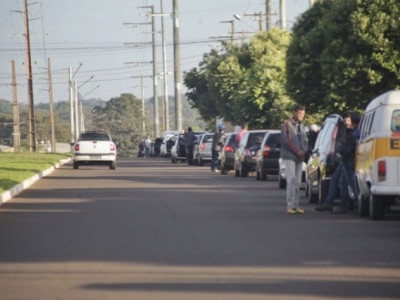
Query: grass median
{"type": "Point", "coordinates": [17, 167]}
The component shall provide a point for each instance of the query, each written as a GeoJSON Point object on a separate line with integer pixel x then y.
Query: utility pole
{"type": "Point", "coordinates": [153, 34]}
{"type": "Point", "coordinates": [268, 14]}
{"type": "Point", "coordinates": [31, 105]}
{"type": "Point", "coordinates": [282, 13]}
{"type": "Point", "coordinates": [259, 17]}
{"type": "Point", "coordinates": [233, 31]}
{"type": "Point", "coordinates": [71, 106]}
{"type": "Point", "coordinates": [143, 111]}
{"type": "Point", "coordinates": [16, 129]}
{"type": "Point", "coordinates": [177, 67]}
{"type": "Point", "coordinates": [164, 48]}
{"type": "Point", "coordinates": [76, 96]}
{"type": "Point", "coordinates": [53, 130]}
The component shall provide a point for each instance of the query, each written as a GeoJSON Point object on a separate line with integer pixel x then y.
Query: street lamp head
{"type": "Point", "coordinates": [237, 17]}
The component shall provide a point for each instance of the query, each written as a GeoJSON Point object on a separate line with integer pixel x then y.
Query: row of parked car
{"type": "Point", "coordinates": [258, 152]}
{"type": "Point", "coordinates": [377, 156]}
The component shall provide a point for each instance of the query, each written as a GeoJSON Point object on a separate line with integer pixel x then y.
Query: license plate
{"type": "Point", "coordinates": [95, 156]}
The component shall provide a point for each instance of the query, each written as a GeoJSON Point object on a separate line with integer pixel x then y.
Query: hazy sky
{"type": "Point", "coordinates": [92, 33]}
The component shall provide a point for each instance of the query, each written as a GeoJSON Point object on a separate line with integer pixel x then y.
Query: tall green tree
{"type": "Point", "coordinates": [243, 83]}
{"type": "Point", "coordinates": [337, 60]}
{"type": "Point", "coordinates": [122, 118]}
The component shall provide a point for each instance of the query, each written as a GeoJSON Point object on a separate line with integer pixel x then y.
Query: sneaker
{"type": "Point", "coordinates": [323, 208]}
{"type": "Point", "coordinates": [299, 211]}
{"type": "Point", "coordinates": [291, 211]}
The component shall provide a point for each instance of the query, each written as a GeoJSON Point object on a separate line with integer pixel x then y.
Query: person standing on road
{"type": "Point", "coordinates": [217, 141]}
{"type": "Point", "coordinates": [190, 138]}
{"type": "Point", "coordinates": [147, 146]}
{"type": "Point", "coordinates": [294, 149]}
{"type": "Point", "coordinates": [345, 149]}
{"type": "Point", "coordinates": [240, 134]}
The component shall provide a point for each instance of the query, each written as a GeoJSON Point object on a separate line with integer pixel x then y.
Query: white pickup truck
{"type": "Point", "coordinates": [95, 148]}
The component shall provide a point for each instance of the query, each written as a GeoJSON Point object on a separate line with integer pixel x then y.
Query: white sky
{"type": "Point", "coordinates": [91, 32]}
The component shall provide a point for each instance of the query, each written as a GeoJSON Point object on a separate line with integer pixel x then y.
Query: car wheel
{"type": "Point", "coordinates": [376, 207]}
{"type": "Point", "coordinates": [363, 206]}
{"type": "Point", "coordinates": [312, 197]}
{"type": "Point", "coordinates": [263, 175]}
{"type": "Point", "coordinates": [113, 165]}
{"type": "Point", "coordinates": [224, 171]}
{"type": "Point", "coordinates": [76, 165]}
{"type": "Point", "coordinates": [243, 170]}
{"type": "Point", "coordinates": [281, 182]}
{"type": "Point", "coordinates": [322, 190]}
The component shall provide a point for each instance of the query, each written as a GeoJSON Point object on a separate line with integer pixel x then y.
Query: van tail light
{"type": "Point", "coordinates": [112, 147]}
{"type": "Point", "coordinates": [228, 148]}
{"type": "Point", "coordinates": [266, 151]}
{"type": "Point", "coordinates": [202, 146]}
{"type": "Point", "coordinates": [76, 147]}
{"type": "Point", "coordinates": [381, 170]}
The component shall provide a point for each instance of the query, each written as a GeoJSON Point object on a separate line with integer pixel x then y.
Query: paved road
{"type": "Point", "coordinates": [156, 230]}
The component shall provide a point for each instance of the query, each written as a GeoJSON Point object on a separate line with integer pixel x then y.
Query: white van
{"type": "Point", "coordinates": [166, 136]}
{"type": "Point", "coordinates": [378, 156]}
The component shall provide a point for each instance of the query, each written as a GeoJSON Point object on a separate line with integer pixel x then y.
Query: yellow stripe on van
{"type": "Point", "coordinates": [368, 152]}
{"type": "Point", "coordinates": [386, 147]}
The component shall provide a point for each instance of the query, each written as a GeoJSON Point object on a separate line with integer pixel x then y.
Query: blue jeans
{"type": "Point", "coordinates": [338, 181]}
{"type": "Point", "coordinates": [214, 159]}
{"type": "Point", "coordinates": [350, 180]}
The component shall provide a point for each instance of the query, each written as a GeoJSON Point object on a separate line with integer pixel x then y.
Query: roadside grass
{"type": "Point", "coordinates": [17, 167]}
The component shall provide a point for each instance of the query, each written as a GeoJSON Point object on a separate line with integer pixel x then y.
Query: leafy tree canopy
{"type": "Point", "coordinates": [343, 54]}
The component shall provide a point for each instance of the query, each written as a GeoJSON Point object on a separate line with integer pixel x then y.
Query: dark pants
{"type": "Point", "coordinates": [189, 154]}
{"type": "Point", "coordinates": [214, 159]}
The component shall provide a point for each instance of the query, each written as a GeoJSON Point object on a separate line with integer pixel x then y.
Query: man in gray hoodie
{"type": "Point", "coordinates": [293, 152]}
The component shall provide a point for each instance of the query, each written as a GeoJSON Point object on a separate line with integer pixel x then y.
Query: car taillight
{"type": "Point", "coordinates": [112, 147]}
{"type": "Point", "coordinates": [266, 150]}
{"type": "Point", "coordinates": [76, 147]}
{"type": "Point", "coordinates": [381, 170]}
{"type": "Point", "coordinates": [228, 148]}
{"type": "Point", "coordinates": [202, 146]}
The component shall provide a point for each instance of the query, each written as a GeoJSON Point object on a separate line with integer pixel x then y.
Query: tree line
{"type": "Point", "coordinates": [339, 55]}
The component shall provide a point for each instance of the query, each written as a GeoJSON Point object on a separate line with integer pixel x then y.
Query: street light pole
{"type": "Point", "coordinates": [156, 115]}
{"type": "Point", "coordinates": [31, 105]}
{"type": "Point", "coordinates": [282, 14]}
{"type": "Point", "coordinates": [166, 110]}
{"type": "Point", "coordinates": [177, 67]}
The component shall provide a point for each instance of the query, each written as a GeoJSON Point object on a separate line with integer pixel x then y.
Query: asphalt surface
{"type": "Point", "coordinates": [156, 230]}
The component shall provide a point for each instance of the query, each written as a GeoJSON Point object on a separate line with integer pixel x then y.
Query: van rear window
{"type": "Point", "coordinates": [395, 125]}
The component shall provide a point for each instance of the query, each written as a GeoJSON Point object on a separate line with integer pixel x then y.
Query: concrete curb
{"type": "Point", "coordinates": [8, 195]}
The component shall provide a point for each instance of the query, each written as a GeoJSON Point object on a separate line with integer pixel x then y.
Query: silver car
{"type": "Point", "coordinates": [202, 150]}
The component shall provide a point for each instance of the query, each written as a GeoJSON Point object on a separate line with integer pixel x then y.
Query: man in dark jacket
{"type": "Point", "coordinates": [343, 177]}
{"type": "Point", "coordinates": [216, 144]}
{"type": "Point", "coordinates": [190, 139]}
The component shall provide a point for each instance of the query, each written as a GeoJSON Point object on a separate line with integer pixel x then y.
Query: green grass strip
{"type": "Point", "coordinates": [17, 167]}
